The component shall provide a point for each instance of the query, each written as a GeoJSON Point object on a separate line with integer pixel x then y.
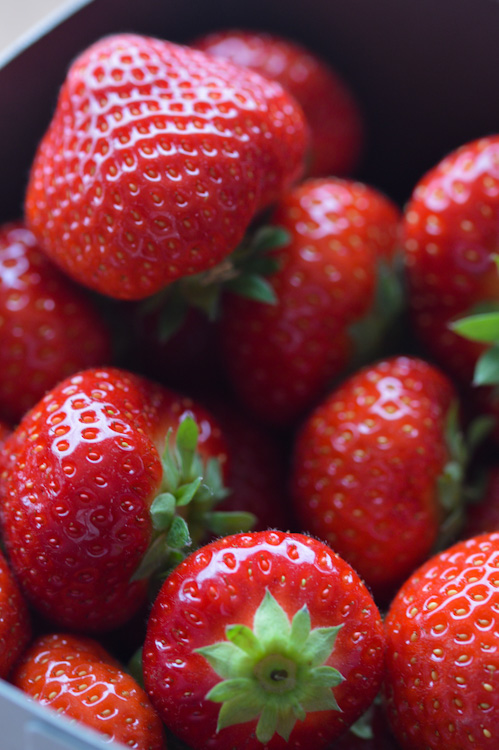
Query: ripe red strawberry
{"type": "Point", "coordinates": [15, 626]}
{"type": "Point", "coordinates": [96, 492]}
{"type": "Point", "coordinates": [377, 468]}
{"type": "Point", "coordinates": [450, 239]}
{"type": "Point", "coordinates": [332, 291]}
{"type": "Point", "coordinates": [442, 656]}
{"type": "Point", "coordinates": [263, 639]}
{"type": "Point", "coordinates": [76, 677]}
{"type": "Point", "coordinates": [333, 115]}
{"type": "Point", "coordinates": [48, 329]}
{"type": "Point", "coordinates": [156, 160]}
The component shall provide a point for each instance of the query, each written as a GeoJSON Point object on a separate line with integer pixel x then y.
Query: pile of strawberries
{"type": "Point", "coordinates": [248, 485]}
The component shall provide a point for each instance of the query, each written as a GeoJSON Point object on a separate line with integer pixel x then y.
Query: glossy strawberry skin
{"type": "Point", "coordinates": [155, 162]}
{"type": "Point", "coordinates": [15, 624]}
{"type": "Point", "coordinates": [333, 115]}
{"type": "Point", "coordinates": [366, 465]}
{"type": "Point", "coordinates": [223, 583]}
{"type": "Point", "coordinates": [76, 677]}
{"type": "Point", "coordinates": [442, 666]}
{"type": "Point", "coordinates": [48, 328]}
{"type": "Point", "coordinates": [450, 238]}
{"type": "Point", "coordinates": [280, 358]}
{"type": "Point", "coordinates": [82, 470]}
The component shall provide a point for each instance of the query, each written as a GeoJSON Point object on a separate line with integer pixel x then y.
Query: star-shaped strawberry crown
{"type": "Point", "coordinates": [275, 672]}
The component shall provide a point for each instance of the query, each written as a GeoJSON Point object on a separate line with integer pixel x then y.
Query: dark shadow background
{"type": "Point", "coordinates": [425, 71]}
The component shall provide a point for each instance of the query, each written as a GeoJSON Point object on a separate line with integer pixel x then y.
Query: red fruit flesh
{"type": "Point", "coordinates": [155, 162]}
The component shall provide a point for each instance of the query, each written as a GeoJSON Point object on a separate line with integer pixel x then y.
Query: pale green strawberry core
{"type": "Point", "coordinates": [275, 672]}
{"type": "Point", "coordinates": [183, 511]}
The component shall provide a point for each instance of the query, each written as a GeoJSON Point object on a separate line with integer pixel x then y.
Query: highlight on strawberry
{"type": "Point", "coordinates": [167, 154]}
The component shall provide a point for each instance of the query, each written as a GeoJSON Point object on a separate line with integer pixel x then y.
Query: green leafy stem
{"type": "Point", "coordinates": [274, 672]}
{"type": "Point", "coordinates": [183, 512]}
{"type": "Point", "coordinates": [244, 272]}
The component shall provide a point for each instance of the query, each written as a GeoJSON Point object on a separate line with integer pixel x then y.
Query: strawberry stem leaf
{"type": "Point", "coordinates": [223, 523]}
{"type": "Point", "coordinates": [487, 367]}
{"type": "Point", "coordinates": [182, 513]}
{"type": "Point", "coordinates": [178, 534]}
{"type": "Point", "coordinates": [162, 511]}
{"type": "Point", "coordinates": [483, 327]}
{"type": "Point", "coordinates": [274, 672]}
{"type": "Point", "coordinates": [254, 287]}
{"type": "Point", "coordinates": [454, 495]}
{"type": "Point", "coordinates": [369, 331]}
{"type": "Point", "coordinates": [243, 272]}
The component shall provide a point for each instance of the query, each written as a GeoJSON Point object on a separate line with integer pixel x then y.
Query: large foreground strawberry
{"type": "Point", "coordinates": [106, 481]}
{"type": "Point", "coordinates": [263, 640]}
{"type": "Point", "coordinates": [442, 680]}
{"type": "Point", "coordinates": [156, 160]}
{"type": "Point", "coordinates": [76, 677]}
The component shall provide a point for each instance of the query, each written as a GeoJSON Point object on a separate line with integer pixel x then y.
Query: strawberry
{"type": "Point", "coordinates": [262, 639]}
{"type": "Point", "coordinates": [98, 497]}
{"type": "Point", "coordinates": [156, 160]}
{"type": "Point", "coordinates": [15, 625]}
{"type": "Point", "coordinates": [450, 240]}
{"type": "Point", "coordinates": [333, 299]}
{"type": "Point", "coordinates": [442, 655]}
{"type": "Point", "coordinates": [377, 469]}
{"type": "Point", "coordinates": [48, 328]}
{"type": "Point", "coordinates": [77, 678]}
{"type": "Point", "coordinates": [332, 113]}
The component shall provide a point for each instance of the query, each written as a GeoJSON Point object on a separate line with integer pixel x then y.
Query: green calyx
{"type": "Point", "coordinates": [369, 332]}
{"type": "Point", "coordinates": [452, 490]}
{"type": "Point", "coordinates": [482, 326]}
{"type": "Point", "coordinates": [275, 672]}
{"type": "Point", "coordinates": [244, 272]}
{"type": "Point", "coordinates": [184, 512]}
